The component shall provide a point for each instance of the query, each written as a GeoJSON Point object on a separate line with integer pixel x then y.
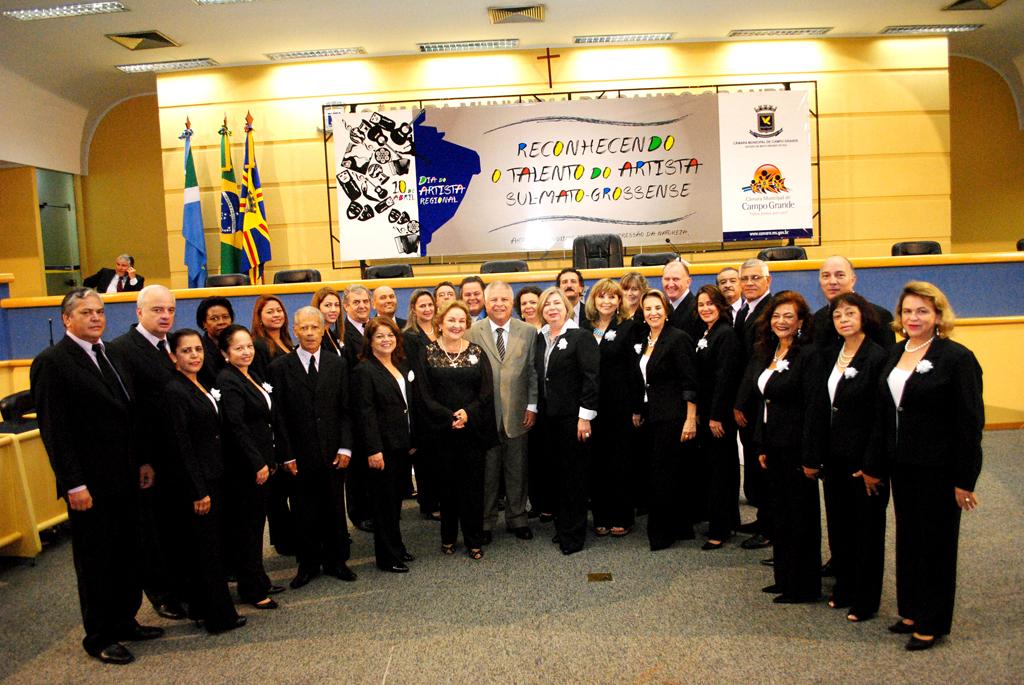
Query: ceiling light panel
{"type": "Point", "coordinates": [177, 65]}
{"type": "Point", "coordinates": [776, 33]}
{"type": "Point", "coordinates": [623, 38]}
{"type": "Point", "coordinates": [469, 45]}
{"type": "Point", "coordinates": [314, 54]}
{"type": "Point", "coordinates": [219, 2]}
{"type": "Point", "coordinates": [77, 10]}
{"type": "Point", "coordinates": [931, 28]}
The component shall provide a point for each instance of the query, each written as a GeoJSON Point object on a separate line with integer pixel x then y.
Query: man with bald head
{"type": "Point", "coordinates": [836, 277]}
{"type": "Point", "coordinates": [675, 283]}
{"type": "Point", "coordinates": [386, 303]}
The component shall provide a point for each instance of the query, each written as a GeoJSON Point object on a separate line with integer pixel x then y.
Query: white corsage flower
{"type": "Point", "coordinates": [609, 335]}
{"type": "Point", "coordinates": [850, 372]}
{"type": "Point", "coordinates": [215, 394]}
{"type": "Point", "coordinates": [702, 344]}
{"type": "Point", "coordinates": [924, 366]}
{"type": "Point", "coordinates": [268, 387]}
{"type": "Point", "coordinates": [411, 376]}
{"type": "Point", "coordinates": [637, 347]}
{"type": "Point", "coordinates": [563, 343]}
{"type": "Point", "coordinates": [782, 365]}
{"type": "Point", "coordinates": [473, 359]}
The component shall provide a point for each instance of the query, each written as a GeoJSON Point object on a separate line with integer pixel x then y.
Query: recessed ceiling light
{"type": "Point", "coordinates": [932, 28]}
{"type": "Point", "coordinates": [177, 65]}
{"type": "Point", "coordinates": [623, 38]}
{"type": "Point", "coordinates": [219, 2]}
{"type": "Point", "coordinates": [775, 33]}
{"type": "Point", "coordinates": [32, 13]}
{"type": "Point", "coordinates": [314, 54]}
{"type": "Point", "coordinates": [469, 45]}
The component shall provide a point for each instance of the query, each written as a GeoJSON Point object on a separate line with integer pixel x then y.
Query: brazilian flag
{"type": "Point", "coordinates": [230, 218]}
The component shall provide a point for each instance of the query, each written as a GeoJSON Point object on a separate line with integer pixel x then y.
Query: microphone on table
{"type": "Point", "coordinates": [51, 330]}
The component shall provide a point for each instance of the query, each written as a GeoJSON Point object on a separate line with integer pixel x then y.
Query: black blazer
{"type": "Point", "coordinates": [313, 419]}
{"type": "Point", "coordinates": [195, 450]}
{"type": "Point", "coordinates": [88, 431]}
{"type": "Point", "coordinates": [571, 379]}
{"type": "Point", "coordinates": [213, 362]}
{"type": "Point", "coordinates": [151, 370]}
{"type": "Point", "coordinates": [718, 369]}
{"type": "Point", "coordinates": [837, 433]}
{"type": "Point", "coordinates": [825, 335]}
{"type": "Point", "coordinates": [941, 416]}
{"type": "Point", "coordinates": [747, 330]}
{"type": "Point", "coordinates": [100, 281]}
{"type": "Point", "coordinates": [684, 317]}
{"type": "Point", "coordinates": [266, 352]}
{"type": "Point", "coordinates": [618, 358]}
{"type": "Point", "coordinates": [248, 421]}
{"type": "Point", "coordinates": [353, 342]}
{"type": "Point", "coordinates": [382, 414]}
{"type": "Point", "coordinates": [785, 398]}
{"type": "Point", "coordinates": [671, 378]}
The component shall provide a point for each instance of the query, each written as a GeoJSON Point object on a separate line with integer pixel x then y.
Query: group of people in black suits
{"type": "Point", "coordinates": [633, 401]}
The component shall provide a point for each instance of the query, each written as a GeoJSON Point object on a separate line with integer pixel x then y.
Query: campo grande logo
{"type": "Point", "coordinates": [765, 115]}
{"type": "Point", "coordinates": [767, 179]}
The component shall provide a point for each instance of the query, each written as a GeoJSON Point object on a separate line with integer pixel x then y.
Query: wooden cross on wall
{"type": "Point", "coordinates": [548, 56]}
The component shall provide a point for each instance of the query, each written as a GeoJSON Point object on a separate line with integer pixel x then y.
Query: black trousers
{"type": "Point", "coordinates": [358, 491]}
{"type": "Point", "coordinates": [462, 489]}
{"type": "Point", "coordinates": [207, 595]}
{"type": "Point", "coordinates": [541, 469]}
{"type": "Point", "coordinates": [103, 545]}
{"type": "Point", "coordinates": [568, 458]}
{"type": "Point", "coordinates": [856, 537]}
{"type": "Point", "coordinates": [756, 487]}
{"type": "Point", "coordinates": [247, 517]}
{"type": "Point", "coordinates": [162, 533]}
{"type": "Point", "coordinates": [927, 537]}
{"type": "Point", "coordinates": [386, 504]}
{"type": "Point", "coordinates": [280, 515]}
{"type": "Point", "coordinates": [428, 478]}
{"type": "Point", "coordinates": [319, 507]}
{"type": "Point", "coordinates": [669, 518]}
{"type": "Point", "coordinates": [797, 534]}
{"type": "Point", "coordinates": [721, 463]}
{"type": "Point", "coordinates": [611, 475]}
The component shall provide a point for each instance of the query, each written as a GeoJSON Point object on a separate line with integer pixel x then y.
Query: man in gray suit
{"type": "Point", "coordinates": [509, 344]}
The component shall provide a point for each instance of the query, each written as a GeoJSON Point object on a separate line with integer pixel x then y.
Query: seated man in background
{"type": "Point", "coordinates": [122, 278]}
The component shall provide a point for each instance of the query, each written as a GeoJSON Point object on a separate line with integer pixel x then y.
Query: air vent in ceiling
{"type": "Point", "coordinates": [974, 5]}
{"type": "Point", "coordinates": [142, 40]}
{"type": "Point", "coordinates": [527, 14]}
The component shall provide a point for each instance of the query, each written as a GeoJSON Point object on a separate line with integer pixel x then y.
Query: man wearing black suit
{"type": "Point", "coordinates": [755, 284]}
{"type": "Point", "coordinates": [144, 350]}
{"type": "Point", "coordinates": [357, 315]}
{"type": "Point", "coordinates": [675, 283]}
{"type": "Point", "coordinates": [385, 302]}
{"type": "Point", "coordinates": [471, 291]}
{"type": "Point", "coordinates": [313, 440]}
{"type": "Point", "coordinates": [837, 277]}
{"type": "Point", "coordinates": [122, 278]}
{"type": "Point", "coordinates": [570, 282]}
{"type": "Point", "coordinates": [83, 398]}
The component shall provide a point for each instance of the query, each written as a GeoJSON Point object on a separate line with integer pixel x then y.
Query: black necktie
{"type": "Point", "coordinates": [120, 284]}
{"type": "Point", "coordinates": [742, 315]}
{"type": "Point", "coordinates": [312, 369]}
{"type": "Point", "coordinates": [110, 376]}
{"type": "Point", "coordinates": [162, 346]}
{"type": "Point", "coordinates": [500, 342]}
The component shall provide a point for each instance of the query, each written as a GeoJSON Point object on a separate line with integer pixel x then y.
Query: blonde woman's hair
{"type": "Point", "coordinates": [604, 287]}
{"type": "Point", "coordinates": [445, 308]}
{"type": "Point", "coordinates": [927, 291]}
{"type": "Point", "coordinates": [555, 290]}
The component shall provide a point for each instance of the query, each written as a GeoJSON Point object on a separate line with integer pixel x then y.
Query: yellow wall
{"type": "Point", "coordinates": [884, 106]}
{"type": "Point", "coordinates": [21, 250]}
{"type": "Point", "coordinates": [122, 195]}
{"type": "Point", "coordinates": [988, 148]}
{"type": "Point", "coordinates": [996, 343]}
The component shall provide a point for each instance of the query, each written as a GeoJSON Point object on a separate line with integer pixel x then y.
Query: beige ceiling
{"type": "Point", "coordinates": [73, 58]}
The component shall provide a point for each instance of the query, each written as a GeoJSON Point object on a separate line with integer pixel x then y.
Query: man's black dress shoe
{"type": "Point", "coordinates": [772, 589]}
{"type": "Point", "coordinates": [301, 579]}
{"type": "Point", "coordinates": [770, 561]}
{"type": "Point", "coordinates": [756, 542]}
{"type": "Point", "coordinates": [275, 590]}
{"type": "Point", "coordinates": [171, 610]}
{"type": "Point", "coordinates": [487, 537]}
{"type": "Point", "coordinates": [116, 654]}
{"type": "Point", "coordinates": [237, 623]}
{"type": "Point", "coordinates": [140, 632]}
{"type": "Point", "coordinates": [901, 628]}
{"type": "Point", "coordinates": [395, 568]}
{"type": "Point", "coordinates": [265, 605]}
{"type": "Point", "coordinates": [523, 533]}
{"type": "Point", "coordinates": [406, 557]}
{"type": "Point", "coordinates": [342, 572]}
{"type": "Point", "coordinates": [556, 539]}
{"type": "Point", "coordinates": [546, 518]}
{"type": "Point", "coordinates": [365, 526]}
{"type": "Point", "coordinates": [686, 535]}
{"type": "Point", "coordinates": [571, 550]}
{"type": "Point", "coordinates": [916, 644]}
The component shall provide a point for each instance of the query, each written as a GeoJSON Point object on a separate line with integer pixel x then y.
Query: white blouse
{"type": "Point", "coordinates": [897, 380]}
{"type": "Point", "coordinates": [762, 381]}
{"type": "Point", "coordinates": [643, 371]}
{"type": "Point", "coordinates": [833, 383]}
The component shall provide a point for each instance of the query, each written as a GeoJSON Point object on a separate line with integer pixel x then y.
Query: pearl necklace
{"type": "Point", "coordinates": [920, 347]}
{"type": "Point", "coordinates": [844, 358]}
{"type": "Point", "coordinates": [778, 357]}
{"type": "Point", "coordinates": [452, 361]}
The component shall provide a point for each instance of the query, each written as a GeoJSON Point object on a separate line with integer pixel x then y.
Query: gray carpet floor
{"type": "Point", "coordinates": [527, 614]}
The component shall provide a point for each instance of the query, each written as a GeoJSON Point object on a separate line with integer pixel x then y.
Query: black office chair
{"type": "Point", "coordinates": [13, 409]}
{"type": "Point", "coordinates": [499, 266]}
{"type": "Point", "coordinates": [916, 247]}
{"type": "Point", "coordinates": [597, 251]}
{"type": "Point", "coordinates": [226, 280]}
{"type": "Point", "coordinates": [297, 276]}
{"type": "Point", "coordinates": [782, 254]}
{"type": "Point", "coordinates": [653, 258]}
{"type": "Point", "coordinates": [389, 271]}
{"type": "Point", "coordinates": [1020, 245]}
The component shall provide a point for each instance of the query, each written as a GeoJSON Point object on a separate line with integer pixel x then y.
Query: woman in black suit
{"type": "Point", "coordinates": [840, 419]}
{"type": "Point", "coordinates": [567, 362]}
{"type": "Point", "coordinates": [246, 407]}
{"type": "Point", "coordinates": [457, 400]}
{"type": "Point", "coordinates": [417, 334]}
{"type": "Point", "coordinates": [929, 441]}
{"type": "Point", "coordinates": [717, 361]}
{"type": "Point", "coordinates": [664, 399]}
{"type": "Point", "coordinates": [634, 287]}
{"type": "Point", "coordinates": [382, 390]}
{"type": "Point", "coordinates": [196, 474]}
{"type": "Point", "coordinates": [779, 378]}
{"type": "Point", "coordinates": [611, 498]}
{"type": "Point", "coordinates": [328, 301]}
